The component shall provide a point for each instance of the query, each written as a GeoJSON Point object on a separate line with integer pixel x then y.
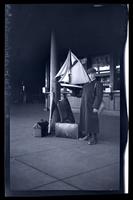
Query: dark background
{"type": "Point", "coordinates": [86, 29]}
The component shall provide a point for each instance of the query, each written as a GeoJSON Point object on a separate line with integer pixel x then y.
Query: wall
{"type": "Point", "coordinates": [110, 105]}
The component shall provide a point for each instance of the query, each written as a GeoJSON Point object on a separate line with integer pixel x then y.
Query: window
{"type": "Point", "coordinates": [117, 78]}
{"type": "Point", "coordinates": [102, 66]}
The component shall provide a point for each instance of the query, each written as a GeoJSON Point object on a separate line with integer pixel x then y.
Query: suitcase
{"type": "Point", "coordinates": [66, 130]}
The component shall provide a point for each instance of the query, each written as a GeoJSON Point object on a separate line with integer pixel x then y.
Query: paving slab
{"type": "Point", "coordinates": [106, 178]}
{"type": "Point", "coordinates": [36, 144]}
{"type": "Point", "coordinates": [62, 162]}
{"type": "Point", "coordinates": [54, 163]}
{"type": "Point", "coordinates": [59, 185]}
{"type": "Point", "coordinates": [24, 177]}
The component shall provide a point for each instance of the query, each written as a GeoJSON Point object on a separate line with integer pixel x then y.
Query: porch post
{"type": "Point", "coordinates": [54, 68]}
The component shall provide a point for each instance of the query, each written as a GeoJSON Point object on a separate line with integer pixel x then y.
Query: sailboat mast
{"type": "Point", "coordinates": [70, 62]}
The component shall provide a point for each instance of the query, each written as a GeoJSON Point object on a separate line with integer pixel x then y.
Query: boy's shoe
{"type": "Point", "coordinates": [92, 140]}
{"type": "Point", "coordinates": [84, 138]}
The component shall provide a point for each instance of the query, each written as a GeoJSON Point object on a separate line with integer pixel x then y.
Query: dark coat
{"type": "Point", "coordinates": [91, 98]}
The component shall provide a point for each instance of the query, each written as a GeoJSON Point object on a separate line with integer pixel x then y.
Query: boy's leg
{"type": "Point", "coordinates": [87, 137]}
{"type": "Point", "coordinates": [93, 139]}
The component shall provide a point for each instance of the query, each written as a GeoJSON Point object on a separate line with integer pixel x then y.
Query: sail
{"type": "Point", "coordinates": [64, 67]}
{"type": "Point", "coordinates": [78, 73]}
{"type": "Point", "coordinates": [72, 71]}
{"type": "Point", "coordinates": [65, 77]}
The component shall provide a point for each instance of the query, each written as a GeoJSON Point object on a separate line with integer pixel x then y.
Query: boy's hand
{"type": "Point", "coordinates": [95, 110]}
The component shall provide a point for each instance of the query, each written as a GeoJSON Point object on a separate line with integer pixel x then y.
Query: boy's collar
{"type": "Point", "coordinates": [93, 80]}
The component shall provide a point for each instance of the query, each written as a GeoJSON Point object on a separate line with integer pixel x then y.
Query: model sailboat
{"type": "Point", "coordinates": [72, 72]}
{"type": "Point", "coordinates": [71, 75]}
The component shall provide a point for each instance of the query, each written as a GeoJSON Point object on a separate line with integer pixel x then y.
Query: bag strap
{"type": "Point", "coordinates": [95, 86]}
{"type": "Point", "coordinates": [95, 90]}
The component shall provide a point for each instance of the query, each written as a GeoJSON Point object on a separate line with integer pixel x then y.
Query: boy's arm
{"type": "Point", "coordinates": [98, 95]}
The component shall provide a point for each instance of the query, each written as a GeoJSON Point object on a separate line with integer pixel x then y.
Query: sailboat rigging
{"type": "Point", "coordinates": [72, 72]}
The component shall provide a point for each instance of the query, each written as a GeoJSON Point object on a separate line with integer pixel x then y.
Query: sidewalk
{"type": "Point", "coordinates": [52, 163]}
